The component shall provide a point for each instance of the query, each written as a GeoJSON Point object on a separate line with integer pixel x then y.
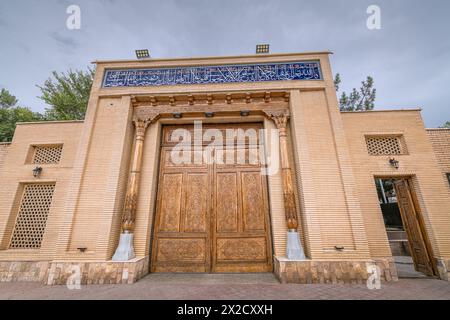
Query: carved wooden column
{"type": "Point", "coordinates": [129, 210]}
{"type": "Point", "coordinates": [125, 249]}
{"type": "Point", "coordinates": [294, 249]}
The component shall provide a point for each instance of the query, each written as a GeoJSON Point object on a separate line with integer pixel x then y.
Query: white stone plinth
{"type": "Point", "coordinates": [294, 249]}
{"type": "Point", "coordinates": [125, 249]}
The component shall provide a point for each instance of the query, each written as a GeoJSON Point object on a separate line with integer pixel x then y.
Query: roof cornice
{"type": "Point", "coordinates": [256, 56]}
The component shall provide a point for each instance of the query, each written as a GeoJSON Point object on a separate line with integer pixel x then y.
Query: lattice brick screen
{"type": "Point", "coordinates": [32, 217]}
{"type": "Point", "coordinates": [377, 146]}
{"type": "Point", "coordinates": [47, 154]}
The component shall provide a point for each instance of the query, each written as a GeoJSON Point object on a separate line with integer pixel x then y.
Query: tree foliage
{"type": "Point", "coordinates": [337, 81]}
{"type": "Point", "coordinates": [7, 100]}
{"type": "Point", "coordinates": [67, 94]}
{"type": "Point", "coordinates": [11, 113]}
{"type": "Point", "coordinates": [446, 125]}
{"type": "Point", "coordinates": [358, 100]}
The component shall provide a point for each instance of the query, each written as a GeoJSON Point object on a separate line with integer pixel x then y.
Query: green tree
{"type": "Point", "coordinates": [7, 100]}
{"type": "Point", "coordinates": [67, 94]}
{"type": "Point", "coordinates": [337, 81]}
{"type": "Point", "coordinates": [446, 125]}
{"type": "Point", "coordinates": [357, 100]}
{"type": "Point", "coordinates": [11, 113]}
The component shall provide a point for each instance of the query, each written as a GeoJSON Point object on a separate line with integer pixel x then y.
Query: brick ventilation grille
{"type": "Point", "coordinates": [47, 155]}
{"type": "Point", "coordinates": [377, 146]}
{"type": "Point", "coordinates": [32, 217]}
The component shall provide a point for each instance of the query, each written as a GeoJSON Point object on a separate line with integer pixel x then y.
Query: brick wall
{"type": "Point", "coordinates": [420, 163]}
{"type": "Point", "coordinates": [440, 139]}
{"type": "Point", "coordinates": [334, 174]}
{"type": "Point", "coordinates": [101, 193]}
{"type": "Point", "coordinates": [330, 208]}
{"type": "Point", "coordinates": [20, 173]}
{"type": "Point", "coordinates": [4, 147]}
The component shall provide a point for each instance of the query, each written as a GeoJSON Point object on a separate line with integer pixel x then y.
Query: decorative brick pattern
{"type": "Point", "coordinates": [47, 154]}
{"type": "Point", "coordinates": [310, 271]}
{"type": "Point", "coordinates": [378, 146]}
{"type": "Point", "coordinates": [32, 218]}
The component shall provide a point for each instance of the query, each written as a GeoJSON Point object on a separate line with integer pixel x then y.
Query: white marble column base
{"type": "Point", "coordinates": [294, 249]}
{"type": "Point", "coordinates": [125, 249]}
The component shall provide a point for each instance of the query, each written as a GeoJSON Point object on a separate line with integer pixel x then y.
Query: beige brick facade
{"type": "Point", "coordinates": [17, 172]}
{"type": "Point", "coordinates": [334, 176]}
{"type": "Point", "coordinates": [440, 139]}
{"type": "Point", "coordinates": [4, 147]}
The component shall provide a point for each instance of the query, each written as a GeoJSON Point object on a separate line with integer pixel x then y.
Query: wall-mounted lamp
{"type": "Point", "coordinates": [82, 249]}
{"type": "Point", "coordinates": [245, 113]}
{"type": "Point", "coordinates": [37, 172]}
{"type": "Point", "coordinates": [177, 115]}
{"type": "Point", "coordinates": [339, 248]}
{"type": "Point", "coordinates": [394, 163]}
{"type": "Point", "coordinates": [209, 114]}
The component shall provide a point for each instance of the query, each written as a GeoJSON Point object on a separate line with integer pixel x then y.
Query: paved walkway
{"type": "Point", "coordinates": [405, 268]}
{"type": "Point", "coordinates": [226, 286]}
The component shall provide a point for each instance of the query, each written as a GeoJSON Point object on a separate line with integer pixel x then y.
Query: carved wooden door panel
{"type": "Point", "coordinates": [240, 235]}
{"type": "Point", "coordinates": [182, 225]}
{"type": "Point", "coordinates": [211, 217]}
{"type": "Point", "coordinates": [411, 222]}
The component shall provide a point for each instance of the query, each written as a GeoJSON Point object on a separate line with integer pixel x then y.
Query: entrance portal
{"type": "Point", "coordinates": [211, 216]}
{"type": "Point", "coordinates": [405, 227]}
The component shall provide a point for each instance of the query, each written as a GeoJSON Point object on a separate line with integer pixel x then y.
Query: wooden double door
{"type": "Point", "coordinates": [211, 216]}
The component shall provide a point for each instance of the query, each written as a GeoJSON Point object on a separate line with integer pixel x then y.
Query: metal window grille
{"type": "Point", "coordinates": [32, 217]}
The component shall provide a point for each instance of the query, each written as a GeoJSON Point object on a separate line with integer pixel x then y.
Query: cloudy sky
{"type": "Point", "coordinates": [409, 57]}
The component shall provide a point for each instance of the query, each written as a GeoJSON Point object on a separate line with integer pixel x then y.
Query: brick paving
{"type": "Point", "coordinates": [228, 287]}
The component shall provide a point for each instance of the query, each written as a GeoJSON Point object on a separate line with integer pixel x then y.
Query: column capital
{"type": "Point", "coordinates": [279, 117]}
{"type": "Point", "coordinates": [144, 116]}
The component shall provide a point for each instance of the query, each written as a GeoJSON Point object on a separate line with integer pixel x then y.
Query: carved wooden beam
{"type": "Point", "coordinates": [280, 117]}
{"type": "Point", "coordinates": [153, 113]}
{"type": "Point", "coordinates": [215, 98]}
